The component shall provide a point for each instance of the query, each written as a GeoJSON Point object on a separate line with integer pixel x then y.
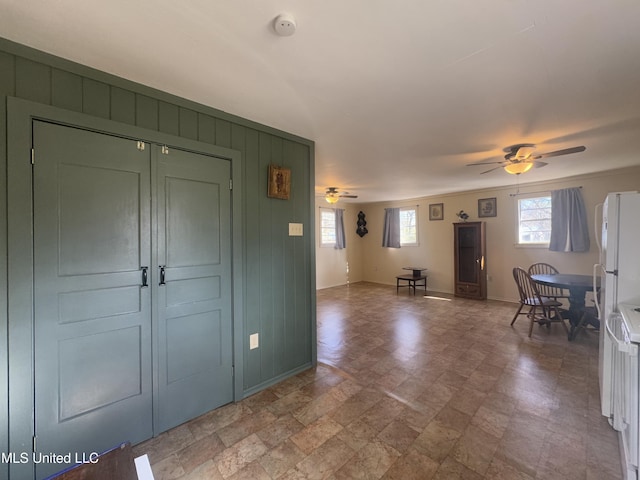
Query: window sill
{"type": "Point", "coordinates": [532, 245]}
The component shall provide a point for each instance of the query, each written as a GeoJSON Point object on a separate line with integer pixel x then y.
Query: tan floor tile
{"type": "Point", "coordinates": [345, 390]}
{"type": "Point", "coordinates": [168, 468]}
{"type": "Point", "coordinates": [323, 462]}
{"type": "Point", "coordinates": [315, 434]}
{"type": "Point", "coordinates": [490, 421]}
{"type": "Point", "coordinates": [357, 434]}
{"type": "Point", "coordinates": [452, 470]}
{"type": "Point", "coordinates": [371, 462]}
{"type": "Point", "coordinates": [412, 466]}
{"type": "Point", "coordinates": [216, 419]}
{"type": "Point", "coordinates": [317, 408]}
{"type": "Point", "coordinates": [453, 418]}
{"type": "Point", "coordinates": [356, 406]}
{"type": "Point", "coordinates": [278, 461]}
{"type": "Point", "coordinates": [398, 435]}
{"type": "Point", "coordinates": [288, 403]}
{"type": "Point", "coordinates": [241, 454]}
{"type": "Point", "coordinates": [411, 388]}
{"type": "Point", "coordinates": [253, 471]}
{"type": "Point", "coordinates": [206, 471]}
{"type": "Point", "coordinates": [437, 440]}
{"type": "Point", "coordinates": [499, 470]}
{"type": "Point", "coordinates": [467, 400]}
{"type": "Point", "coordinates": [199, 452]}
{"type": "Point", "coordinates": [382, 413]}
{"type": "Point", "coordinates": [245, 426]}
{"type": "Point", "coordinates": [475, 449]}
{"type": "Point", "coordinates": [279, 431]}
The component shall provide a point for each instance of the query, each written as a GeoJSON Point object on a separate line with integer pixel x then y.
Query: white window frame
{"type": "Point", "coordinates": [321, 228]}
{"type": "Point", "coordinates": [403, 227]}
{"type": "Point", "coordinates": [519, 243]}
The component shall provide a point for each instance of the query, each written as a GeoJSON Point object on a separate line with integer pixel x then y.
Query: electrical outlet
{"type": "Point", "coordinates": [254, 341]}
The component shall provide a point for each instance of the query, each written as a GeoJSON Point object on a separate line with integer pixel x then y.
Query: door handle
{"type": "Point", "coordinates": [145, 276]}
{"type": "Point", "coordinates": [162, 273]}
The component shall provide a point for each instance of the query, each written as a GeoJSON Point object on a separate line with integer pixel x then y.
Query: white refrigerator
{"type": "Point", "coordinates": [619, 311]}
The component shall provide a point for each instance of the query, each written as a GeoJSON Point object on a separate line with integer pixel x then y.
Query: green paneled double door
{"type": "Point", "coordinates": [132, 295]}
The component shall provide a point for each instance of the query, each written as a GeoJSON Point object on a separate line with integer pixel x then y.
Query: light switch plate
{"type": "Point", "coordinates": [295, 230]}
{"type": "Point", "coordinates": [254, 341]}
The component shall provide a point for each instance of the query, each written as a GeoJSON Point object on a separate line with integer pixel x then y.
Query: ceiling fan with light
{"type": "Point", "coordinates": [522, 157]}
{"type": "Point", "coordinates": [332, 195]}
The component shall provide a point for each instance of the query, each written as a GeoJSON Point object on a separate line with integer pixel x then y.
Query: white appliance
{"type": "Point", "coordinates": [619, 297]}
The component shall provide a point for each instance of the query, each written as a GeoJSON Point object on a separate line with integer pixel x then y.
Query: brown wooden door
{"type": "Point", "coordinates": [470, 260]}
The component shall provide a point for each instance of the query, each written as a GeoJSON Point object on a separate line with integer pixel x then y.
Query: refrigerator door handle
{"type": "Point", "coordinates": [596, 300]}
{"type": "Point", "coordinates": [621, 345]}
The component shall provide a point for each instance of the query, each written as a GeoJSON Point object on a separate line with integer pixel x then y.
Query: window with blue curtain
{"type": "Point", "coordinates": [341, 241]}
{"type": "Point", "coordinates": [569, 228]}
{"type": "Point", "coordinates": [391, 229]}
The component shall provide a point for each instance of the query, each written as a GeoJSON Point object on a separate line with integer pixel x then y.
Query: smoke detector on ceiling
{"type": "Point", "coordinates": [285, 25]}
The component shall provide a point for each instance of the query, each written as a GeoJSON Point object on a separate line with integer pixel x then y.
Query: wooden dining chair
{"type": "Point", "coordinates": [545, 290]}
{"type": "Point", "coordinates": [540, 309]}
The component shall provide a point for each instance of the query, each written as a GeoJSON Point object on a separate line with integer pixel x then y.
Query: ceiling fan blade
{"type": "Point", "coordinates": [537, 164]}
{"type": "Point", "coordinates": [566, 151]}
{"type": "Point", "coordinates": [485, 163]}
{"type": "Point", "coordinates": [348, 196]}
{"type": "Point", "coordinates": [492, 169]}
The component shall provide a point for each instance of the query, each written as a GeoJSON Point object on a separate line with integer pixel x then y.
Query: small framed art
{"type": "Point", "coordinates": [279, 182]}
{"type": "Point", "coordinates": [487, 207]}
{"type": "Point", "coordinates": [436, 211]}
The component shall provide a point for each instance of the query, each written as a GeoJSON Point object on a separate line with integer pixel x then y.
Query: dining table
{"type": "Point", "coordinates": [578, 286]}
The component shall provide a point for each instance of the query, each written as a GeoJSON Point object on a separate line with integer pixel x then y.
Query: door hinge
{"type": "Point", "coordinates": [140, 145]}
{"type": "Point", "coordinates": [33, 446]}
{"type": "Point", "coordinates": [33, 156]}
{"type": "Point", "coordinates": [230, 184]}
{"type": "Point", "coordinates": [165, 149]}
{"type": "Point", "coordinates": [233, 370]}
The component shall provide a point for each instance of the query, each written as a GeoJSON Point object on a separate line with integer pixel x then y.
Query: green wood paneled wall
{"type": "Point", "coordinates": [7, 86]}
{"type": "Point", "coordinates": [279, 276]}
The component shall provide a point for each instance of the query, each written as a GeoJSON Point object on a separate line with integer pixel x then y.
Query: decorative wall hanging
{"type": "Point", "coordinates": [436, 211]}
{"type": "Point", "coordinates": [279, 182]}
{"type": "Point", "coordinates": [487, 207]}
{"type": "Point", "coordinates": [362, 225]}
{"type": "Point", "coordinates": [462, 215]}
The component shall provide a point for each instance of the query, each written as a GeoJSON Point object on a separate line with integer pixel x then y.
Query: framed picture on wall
{"type": "Point", "coordinates": [279, 182]}
{"type": "Point", "coordinates": [436, 211]}
{"type": "Point", "coordinates": [487, 207]}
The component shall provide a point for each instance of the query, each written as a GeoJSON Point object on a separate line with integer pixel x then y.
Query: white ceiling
{"type": "Point", "coordinates": [398, 95]}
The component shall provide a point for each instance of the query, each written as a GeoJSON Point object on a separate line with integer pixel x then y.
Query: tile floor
{"type": "Point", "coordinates": [411, 388]}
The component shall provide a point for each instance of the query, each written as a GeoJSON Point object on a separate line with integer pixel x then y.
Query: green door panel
{"type": "Point", "coordinates": [93, 364]}
{"type": "Point", "coordinates": [194, 321]}
{"type": "Point", "coordinates": [117, 360]}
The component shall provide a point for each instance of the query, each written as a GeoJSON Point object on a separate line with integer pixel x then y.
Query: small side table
{"type": "Point", "coordinates": [417, 271]}
{"type": "Point", "coordinates": [417, 278]}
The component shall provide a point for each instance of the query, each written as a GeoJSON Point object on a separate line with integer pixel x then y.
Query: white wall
{"type": "Point", "coordinates": [339, 267]}
{"type": "Point", "coordinates": [381, 265]}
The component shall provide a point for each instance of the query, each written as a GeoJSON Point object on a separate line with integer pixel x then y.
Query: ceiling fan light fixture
{"type": "Point", "coordinates": [331, 198]}
{"type": "Point", "coordinates": [518, 167]}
